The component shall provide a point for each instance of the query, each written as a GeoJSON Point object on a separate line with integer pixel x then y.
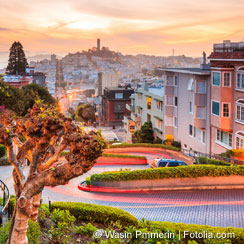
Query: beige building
{"type": "Point", "coordinates": [105, 80]}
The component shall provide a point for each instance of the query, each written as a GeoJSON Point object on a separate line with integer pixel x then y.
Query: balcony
{"type": "Point", "coordinates": [129, 107]}
{"type": "Point", "coordinates": [169, 90]}
{"type": "Point", "coordinates": [200, 99]}
{"type": "Point", "coordinates": [200, 123]}
{"type": "Point", "coordinates": [135, 118]}
{"type": "Point", "coordinates": [170, 111]}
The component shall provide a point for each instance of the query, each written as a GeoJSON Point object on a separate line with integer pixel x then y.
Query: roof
{"type": "Point", "coordinates": [118, 89]}
{"type": "Point", "coordinates": [196, 71]}
{"type": "Point", "coordinates": [157, 91]}
{"type": "Point", "coordinates": [227, 55]}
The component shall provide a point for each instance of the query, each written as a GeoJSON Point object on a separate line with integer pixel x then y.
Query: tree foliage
{"type": "Point", "coordinates": [17, 62]}
{"type": "Point", "coordinates": [145, 134]}
{"type": "Point", "coordinates": [20, 100]}
{"type": "Point", "coordinates": [85, 112]}
{"type": "Point", "coordinates": [47, 133]}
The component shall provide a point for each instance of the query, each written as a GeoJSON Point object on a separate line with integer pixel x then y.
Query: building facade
{"type": "Point", "coordinates": [107, 79]}
{"type": "Point", "coordinates": [114, 103]}
{"type": "Point", "coordinates": [227, 97]}
{"type": "Point", "coordinates": [147, 104]}
{"type": "Point", "coordinates": [186, 106]}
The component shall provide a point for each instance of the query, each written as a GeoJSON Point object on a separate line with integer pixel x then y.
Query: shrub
{"type": "Point", "coordinates": [164, 173]}
{"type": "Point", "coordinates": [176, 144]}
{"type": "Point", "coordinates": [3, 150]}
{"type": "Point", "coordinates": [192, 228]}
{"type": "Point", "coordinates": [86, 229]}
{"type": "Point", "coordinates": [63, 224]}
{"type": "Point", "coordinates": [114, 155]}
{"type": "Point", "coordinates": [4, 162]}
{"type": "Point", "coordinates": [33, 233]}
{"type": "Point", "coordinates": [123, 145]}
{"type": "Point", "coordinates": [158, 141]}
{"type": "Point", "coordinates": [203, 160]}
{"type": "Point", "coordinates": [97, 213]}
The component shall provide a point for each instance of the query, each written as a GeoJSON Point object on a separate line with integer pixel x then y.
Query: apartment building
{"type": "Point", "coordinates": [146, 105]}
{"type": "Point", "coordinates": [186, 107]}
{"type": "Point", "coordinates": [114, 103]}
{"type": "Point", "coordinates": [107, 79]}
{"type": "Point", "coordinates": [227, 97]}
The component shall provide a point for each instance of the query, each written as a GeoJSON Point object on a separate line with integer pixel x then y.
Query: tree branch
{"type": "Point", "coordinates": [12, 159]}
{"type": "Point", "coordinates": [54, 158]}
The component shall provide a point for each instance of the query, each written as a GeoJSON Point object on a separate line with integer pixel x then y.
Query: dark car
{"type": "Point", "coordinates": [170, 163]}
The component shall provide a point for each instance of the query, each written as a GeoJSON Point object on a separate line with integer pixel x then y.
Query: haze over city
{"type": "Point", "coordinates": [132, 27]}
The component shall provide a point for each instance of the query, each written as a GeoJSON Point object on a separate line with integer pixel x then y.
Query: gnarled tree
{"type": "Point", "coordinates": [45, 133]}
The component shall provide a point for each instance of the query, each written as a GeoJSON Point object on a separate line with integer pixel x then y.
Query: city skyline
{"type": "Point", "coordinates": [129, 27]}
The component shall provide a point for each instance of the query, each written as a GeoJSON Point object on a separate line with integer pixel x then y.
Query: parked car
{"type": "Point", "coordinates": [165, 162]}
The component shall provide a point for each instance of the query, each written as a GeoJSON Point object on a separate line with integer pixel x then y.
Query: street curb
{"type": "Point", "coordinates": [120, 163]}
{"type": "Point", "coordinates": [83, 187]}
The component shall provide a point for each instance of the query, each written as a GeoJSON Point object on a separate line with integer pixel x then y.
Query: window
{"type": "Point", "coordinates": [162, 163]}
{"type": "Point", "coordinates": [201, 113]}
{"type": "Point", "coordinates": [176, 80]}
{"type": "Point", "coordinates": [118, 95]}
{"type": "Point", "coordinates": [118, 115]}
{"type": "Point", "coordinates": [203, 136]}
{"type": "Point", "coordinates": [227, 82]}
{"type": "Point", "coordinates": [139, 96]}
{"type": "Point", "coordinates": [226, 110]}
{"type": "Point", "coordinates": [240, 140]}
{"type": "Point", "coordinates": [191, 85]}
{"type": "Point", "coordinates": [159, 124]}
{"type": "Point", "coordinates": [139, 110]}
{"type": "Point", "coordinates": [149, 101]}
{"type": "Point", "coordinates": [132, 127]}
{"type": "Point", "coordinates": [191, 107]}
{"type": "Point", "coordinates": [215, 108]}
{"type": "Point", "coordinates": [224, 138]}
{"type": "Point", "coordinates": [240, 81]}
{"type": "Point", "coordinates": [176, 101]}
{"type": "Point", "coordinates": [240, 110]}
{"type": "Point", "coordinates": [190, 130]}
{"type": "Point", "coordinates": [148, 117]}
{"type": "Point", "coordinates": [198, 134]}
{"type": "Point", "coordinates": [173, 164]}
{"type": "Point", "coordinates": [159, 105]}
{"type": "Point", "coordinates": [119, 107]}
{"type": "Point", "coordinates": [175, 122]}
{"type": "Point", "coordinates": [216, 78]}
{"type": "Point", "coordinates": [201, 88]}
{"type": "Point", "coordinates": [170, 80]}
{"type": "Point", "coordinates": [169, 120]}
{"type": "Point", "coordinates": [170, 100]}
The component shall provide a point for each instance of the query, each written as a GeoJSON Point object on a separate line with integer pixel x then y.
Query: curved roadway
{"type": "Point", "coordinates": [205, 207]}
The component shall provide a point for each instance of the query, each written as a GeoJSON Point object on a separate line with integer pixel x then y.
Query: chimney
{"type": "Point", "coordinates": [204, 64]}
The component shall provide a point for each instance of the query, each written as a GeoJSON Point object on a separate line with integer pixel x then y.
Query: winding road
{"type": "Point", "coordinates": [205, 207]}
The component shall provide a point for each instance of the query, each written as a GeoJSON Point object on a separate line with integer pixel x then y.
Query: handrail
{"type": "Point", "coordinates": [6, 196]}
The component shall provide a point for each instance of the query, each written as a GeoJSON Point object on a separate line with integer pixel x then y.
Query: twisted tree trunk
{"type": "Point", "coordinates": [23, 212]}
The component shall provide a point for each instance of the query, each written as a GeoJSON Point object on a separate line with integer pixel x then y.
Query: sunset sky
{"type": "Point", "coordinates": [129, 26]}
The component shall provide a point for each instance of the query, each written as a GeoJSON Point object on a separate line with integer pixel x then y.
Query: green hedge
{"type": "Point", "coordinates": [3, 150]}
{"type": "Point", "coordinates": [192, 228]}
{"type": "Point", "coordinates": [4, 162]}
{"type": "Point", "coordinates": [203, 160]}
{"type": "Point", "coordinates": [145, 145]}
{"type": "Point", "coordinates": [33, 233]}
{"type": "Point", "coordinates": [169, 172]}
{"type": "Point", "coordinates": [97, 213]}
{"type": "Point", "coordinates": [114, 155]}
